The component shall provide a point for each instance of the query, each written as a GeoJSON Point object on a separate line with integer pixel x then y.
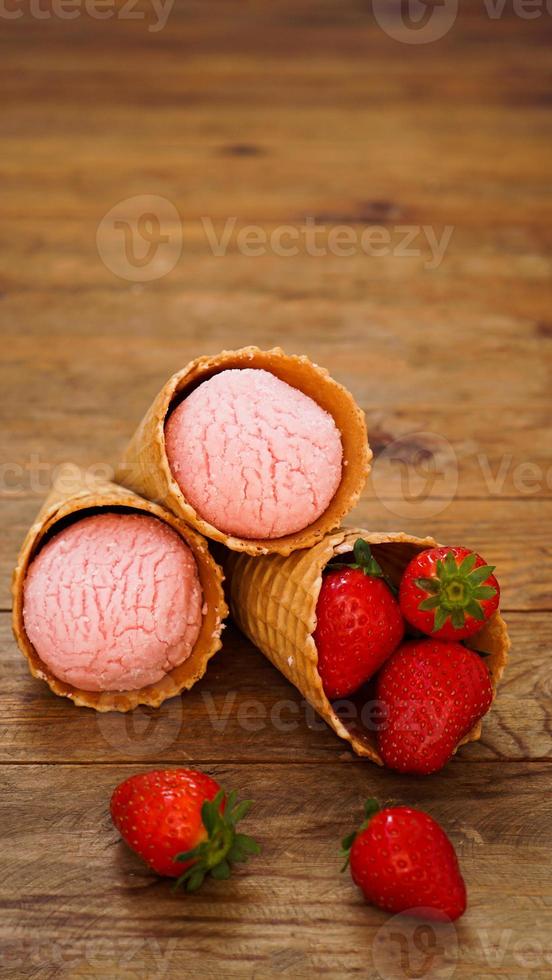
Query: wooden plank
{"type": "Point", "coordinates": [244, 709]}
{"type": "Point", "coordinates": [271, 113]}
{"type": "Point", "coordinates": [275, 182]}
{"type": "Point", "coordinates": [420, 450]}
{"type": "Point", "coordinates": [512, 534]}
{"type": "Point", "coordinates": [393, 306]}
{"type": "Point", "coordinates": [374, 189]}
{"type": "Point", "coordinates": [197, 106]}
{"type": "Point", "coordinates": [382, 341]}
{"type": "Point", "coordinates": [73, 895]}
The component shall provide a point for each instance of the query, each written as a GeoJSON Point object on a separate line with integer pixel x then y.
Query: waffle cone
{"type": "Point", "coordinates": [75, 492]}
{"type": "Point", "coordinates": [145, 467]}
{"type": "Point", "coordinates": [273, 601]}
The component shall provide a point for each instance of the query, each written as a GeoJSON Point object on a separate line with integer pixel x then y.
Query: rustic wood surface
{"type": "Point", "coordinates": [274, 113]}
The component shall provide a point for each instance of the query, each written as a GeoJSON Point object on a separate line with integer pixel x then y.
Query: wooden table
{"type": "Point", "coordinates": [275, 113]}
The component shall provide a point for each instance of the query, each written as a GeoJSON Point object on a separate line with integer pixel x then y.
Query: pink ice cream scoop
{"type": "Point", "coordinates": [254, 456]}
{"type": "Point", "coordinates": [113, 602]}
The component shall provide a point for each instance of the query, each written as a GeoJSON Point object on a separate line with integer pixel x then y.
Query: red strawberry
{"type": "Point", "coordinates": [432, 693]}
{"type": "Point", "coordinates": [404, 862]}
{"type": "Point", "coordinates": [448, 593]}
{"type": "Point", "coordinates": [359, 623]}
{"type": "Point", "coordinates": [182, 824]}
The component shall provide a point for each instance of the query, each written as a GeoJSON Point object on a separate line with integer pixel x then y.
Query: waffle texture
{"type": "Point", "coordinates": [273, 600]}
{"type": "Point", "coordinates": [74, 495]}
{"type": "Point", "coordinates": [145, 467]}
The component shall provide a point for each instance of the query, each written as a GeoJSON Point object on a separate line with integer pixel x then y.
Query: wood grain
{"type": "Point", "coordinates": [244, 709]}
{"type": "Point", "coordinates": [513, 534]}
{"type": "Point", "coordinates": [273, 113]}
{"type": "Point", "coordinates": [87, 905]}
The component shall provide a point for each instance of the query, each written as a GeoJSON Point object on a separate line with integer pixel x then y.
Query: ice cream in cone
{"type": "Point", "coordinates": [273, 600]}
{"type": "Point", "coordinates": [260, 450]}
{"type": "Point", "coordinates": [116, 602]}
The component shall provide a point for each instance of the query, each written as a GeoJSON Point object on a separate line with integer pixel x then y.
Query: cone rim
{"type": "Point", "coordinates": [95, 495]}
{"type": "Point", "coordinates": [147, 446]}
{"type": "Point", "coordinates": [312, 566]}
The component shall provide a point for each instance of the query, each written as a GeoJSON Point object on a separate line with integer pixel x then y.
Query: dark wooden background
{"type": "Point", "coordinates": [274, 112]}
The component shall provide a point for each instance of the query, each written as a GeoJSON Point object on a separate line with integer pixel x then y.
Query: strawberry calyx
{"type": "Point", "coordinates": [456, 590]}
{"type": "Point", "coordinates": [364, 562]}
{"type": "Point", "coordinates": [371, 807]}
{"type": "Point", "coordinates": [222, 847]}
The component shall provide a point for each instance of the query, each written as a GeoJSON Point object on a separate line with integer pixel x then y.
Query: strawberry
{"type": "Point", "coordinates": [448, 593]}
{"type": "Point", "coordinates": [404, 862]}
{"type": "Point", "coordinates": [182, 824]}
{"type": "Point", "coordinates": [359, 623]}
{"type": "Point", "coordinates": [431, 694]}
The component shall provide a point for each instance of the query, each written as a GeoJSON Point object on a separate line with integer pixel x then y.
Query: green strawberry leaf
{"type": "Point", "coordinates": [194, 882]}
{"type": "Point", "coordinates": [441, 616]}
{"type": "Point", "coordinates": [474, 609]}
{"type": "Point", "coordinates": [209, 816]}
{"type": "Point", "coordinates": [481, 574]}
{"type": "Point", "coordinates": [231, 800]}
{"type": "Point", "coordinates": [362, 552]}
{"type": "Point", "coordinates": [222, 847]}
{"type": "Point", "coordinates": [468, 563]}
{"type": "Point", "coordinates": [365, 562]}
{"type": "Point", "coordinates": [458, 619]}
{"type": "Point", "coordinates": [450, 563]}
{"type": "Point", "coordinates": [484, 592]}
{"type": "Point", "coordinates": [221, 871]}
{"type": "Point", "coordinates": [370, 808]}
{"type": "Point", "coordinates": [242, 848]}
{"type": "Point", "coordinates": [240, 811]}
{"type": "Point", "coordinates": [456, 590]}
{"type": "Point", "coordinates": [430, 603]}
{"type": "Point", "coordinates": [427, 585]}
{"type": "Point", "coordinates": [248, 844]}
{"type": "Point", "coordinates": [347, 841]}
{"type": "Point", "coordinates": [188, 855]}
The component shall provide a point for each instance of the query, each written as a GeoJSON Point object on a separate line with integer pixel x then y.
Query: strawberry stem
{"type": "Point", "coordinates": [456, 590]}
{"type": "Point", "coordinates": [223, 845]}
{"type": "Point", "coordinates": [371, 807]}
{"type": "Point", "coordinates": [364, 562]}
